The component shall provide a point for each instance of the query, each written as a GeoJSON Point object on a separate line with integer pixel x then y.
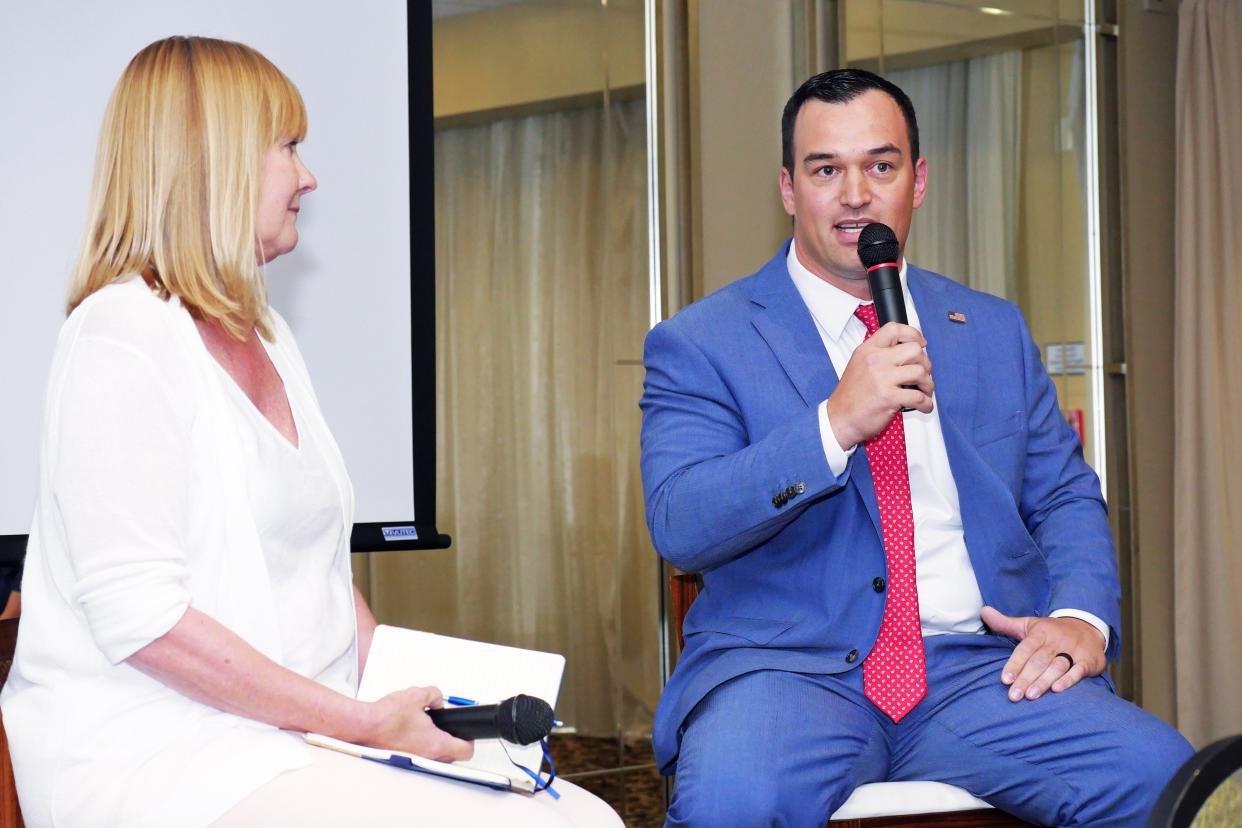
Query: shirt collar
{"type": "Point", "coordinates": [832, 307]}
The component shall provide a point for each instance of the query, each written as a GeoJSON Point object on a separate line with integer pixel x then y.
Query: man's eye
{"type": "Point", "coordinates": [825, 171]}
{"type": "Point", "coordinates": [883, 167]}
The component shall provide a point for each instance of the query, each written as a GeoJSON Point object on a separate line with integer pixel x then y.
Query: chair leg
{"type": "Point", "coordinates": [10, 811]}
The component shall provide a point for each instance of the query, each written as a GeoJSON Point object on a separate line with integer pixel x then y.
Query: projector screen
{"type": "Point", "coordinates": [346, 289]}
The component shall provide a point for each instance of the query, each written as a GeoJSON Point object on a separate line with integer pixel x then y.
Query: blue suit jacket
{"type": "Point", "coordinates": [730, 421]}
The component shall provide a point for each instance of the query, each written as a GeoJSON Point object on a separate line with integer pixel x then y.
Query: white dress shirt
{"type": "Point", "coordinates": [949, 597]}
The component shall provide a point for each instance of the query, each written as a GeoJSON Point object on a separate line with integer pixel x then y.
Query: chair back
{"type": "Point", "coordinates": [1196, 782]}
{"type": "Point", "coordinates": [683, 588]}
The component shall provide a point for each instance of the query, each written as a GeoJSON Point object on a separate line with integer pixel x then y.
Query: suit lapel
{"type": "Point", "coordinates": [787, 326]}
{"type": "Point", "coordinates": [953, 349]}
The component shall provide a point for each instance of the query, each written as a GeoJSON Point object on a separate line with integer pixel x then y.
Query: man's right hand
{"type": "Point", "coordinates": [870, 390]}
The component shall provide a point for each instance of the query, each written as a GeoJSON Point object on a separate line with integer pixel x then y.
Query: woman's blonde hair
{"type": "Point", "coordinates": [177, 175]}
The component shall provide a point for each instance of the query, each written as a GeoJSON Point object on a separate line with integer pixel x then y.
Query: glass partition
{"type": "Point", "coordinates": [542, 303]}
{"type": "Point", "coordinates": [1000, 91]}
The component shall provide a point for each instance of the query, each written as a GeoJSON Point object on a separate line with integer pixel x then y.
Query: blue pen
{"type": "Point", "coordinates": [459, 701]}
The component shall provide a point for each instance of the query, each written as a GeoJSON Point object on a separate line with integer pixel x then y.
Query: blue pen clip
{"type": "Point", "coordinates": [459, 701]}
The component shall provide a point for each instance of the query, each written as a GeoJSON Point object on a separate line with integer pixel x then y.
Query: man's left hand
{"type": "Point", "coordinates": [1035, 666]}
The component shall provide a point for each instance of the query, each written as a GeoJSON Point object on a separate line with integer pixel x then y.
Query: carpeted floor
{"type": "Point", "coordinates": [636, 794]}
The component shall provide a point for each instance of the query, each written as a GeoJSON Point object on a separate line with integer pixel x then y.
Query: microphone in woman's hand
{"type": "Point", "coordinates": [521, 720]}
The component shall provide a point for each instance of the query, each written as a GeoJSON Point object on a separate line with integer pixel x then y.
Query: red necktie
{"type": "Point", "coordinates": [895, 673]}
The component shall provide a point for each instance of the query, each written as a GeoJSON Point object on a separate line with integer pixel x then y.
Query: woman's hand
{"type": "Point", "coordinates": [399, 721]}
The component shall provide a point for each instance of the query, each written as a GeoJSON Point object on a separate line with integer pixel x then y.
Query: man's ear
{"type": "Point", "coordinates": [787, 193]}
{"type": "Point", "coordinates": [920, 181]}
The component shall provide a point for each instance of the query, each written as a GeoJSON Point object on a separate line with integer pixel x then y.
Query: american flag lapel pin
{"type": "Point", "coordinates": [958, 317]}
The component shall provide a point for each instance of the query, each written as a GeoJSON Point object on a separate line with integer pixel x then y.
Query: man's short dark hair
{"type": "Point", "coordinates": [839, 86]}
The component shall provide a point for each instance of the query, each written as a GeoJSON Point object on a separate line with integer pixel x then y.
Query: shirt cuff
{"type": "Point", "coordinates": [127, 606]}
{"type": "Point", "coordinates": [838, 458]}
{"type": "Point", "coordinates": [1083, 616]}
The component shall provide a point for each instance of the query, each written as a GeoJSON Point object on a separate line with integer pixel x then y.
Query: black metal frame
{"type": "Point", "coordinates": [12, 549]}
{"type": "Point", "coordinates": [371, 537]}
{"type": "Point", "coordinates": [1194, 782]}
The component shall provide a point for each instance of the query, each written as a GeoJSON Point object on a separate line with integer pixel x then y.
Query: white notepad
{"type": "Point", "coordinates": [485, 673]}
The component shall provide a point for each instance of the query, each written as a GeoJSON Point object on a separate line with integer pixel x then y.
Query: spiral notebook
{"type": "Point", "coordinates": [485, 673]}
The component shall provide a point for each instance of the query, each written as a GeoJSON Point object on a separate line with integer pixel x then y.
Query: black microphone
{"type": "Point", "coordinates": [521, 720]}
{"type": "Point", "coordinates": [878, 249]}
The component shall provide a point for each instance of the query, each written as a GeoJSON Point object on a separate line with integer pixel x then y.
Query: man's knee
{"type": "Point", "coordinates": [810, 752]}
{"type": "Point", "coordinates": [1133, 774]}
{"type": "Point", "coordinates": [1150, 760]}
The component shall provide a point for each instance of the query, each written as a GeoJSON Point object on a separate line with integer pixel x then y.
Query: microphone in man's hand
{"type": "Point", "coordinates": [878, 250]}
{"type": "Point", "coordinates": [521, 720]}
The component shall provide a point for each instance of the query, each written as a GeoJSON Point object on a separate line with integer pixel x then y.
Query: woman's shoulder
{"type": "Point", "coordinates": [128, 313]}
{"type": "Point", "coordinates": [282, 337]}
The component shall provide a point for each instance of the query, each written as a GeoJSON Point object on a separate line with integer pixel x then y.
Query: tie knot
{"type": "Point", "coordinates": [867, 314]}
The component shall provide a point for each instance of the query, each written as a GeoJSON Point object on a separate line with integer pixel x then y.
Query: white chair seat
{"type": "Point", "coordinates": [897, 798]}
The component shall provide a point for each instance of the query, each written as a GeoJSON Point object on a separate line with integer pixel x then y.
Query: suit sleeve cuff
{"type": "Point", "coordinates": [838, 458]}
{"type": "Point", "coordinates": [1083, 616]}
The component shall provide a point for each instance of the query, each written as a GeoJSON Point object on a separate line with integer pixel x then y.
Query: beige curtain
{"type": "Point", "coordinates": [541, 308]}
{"type": "Point", "coordinates": [1207, 507]}
{"type": "Point", "coordinates": [969, 130]}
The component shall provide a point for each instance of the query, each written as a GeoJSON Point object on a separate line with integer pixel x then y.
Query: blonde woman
{"type": "Point", "coordinates": [188, 607]}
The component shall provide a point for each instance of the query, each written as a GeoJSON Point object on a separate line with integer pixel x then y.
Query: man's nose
{"type": "Point", "coordinates": [854, 190]}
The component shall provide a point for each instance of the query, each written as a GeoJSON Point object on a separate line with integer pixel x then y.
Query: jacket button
{"type": "Point", "coordinates": [851, 657]}
{"type": "Point", "coordinates": [799, 488]}
{"type": "Point", "coordinates": [877, 584]}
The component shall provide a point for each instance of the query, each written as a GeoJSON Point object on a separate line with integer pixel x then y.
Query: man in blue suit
{"type": "Point", "coordinates": [957, 627]}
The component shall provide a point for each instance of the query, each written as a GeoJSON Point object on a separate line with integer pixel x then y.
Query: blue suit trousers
{"type": "Point", "coordinates": [782, 748]}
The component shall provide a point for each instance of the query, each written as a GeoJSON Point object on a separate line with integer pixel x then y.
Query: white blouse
{"type": "Point", "coordinates": [297, 512]}
{"type": "Point", "coordinates": [158, 491]}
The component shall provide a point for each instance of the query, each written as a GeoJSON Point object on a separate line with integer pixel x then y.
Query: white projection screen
{"type": "Point", "coordinates": [346, 289]}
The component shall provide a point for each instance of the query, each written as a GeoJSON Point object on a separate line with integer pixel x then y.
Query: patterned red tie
{"type": "Point", "coordinates": [895, 673]}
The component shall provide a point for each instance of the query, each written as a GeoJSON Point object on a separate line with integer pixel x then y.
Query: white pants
{"type": "Point", "coordinates": [340, 790]}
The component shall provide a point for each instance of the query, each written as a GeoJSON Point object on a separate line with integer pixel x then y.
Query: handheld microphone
{"type": "Point", "coordinates": [521, 720]}
{"type": "Point", "coordinates": [878, 249]}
